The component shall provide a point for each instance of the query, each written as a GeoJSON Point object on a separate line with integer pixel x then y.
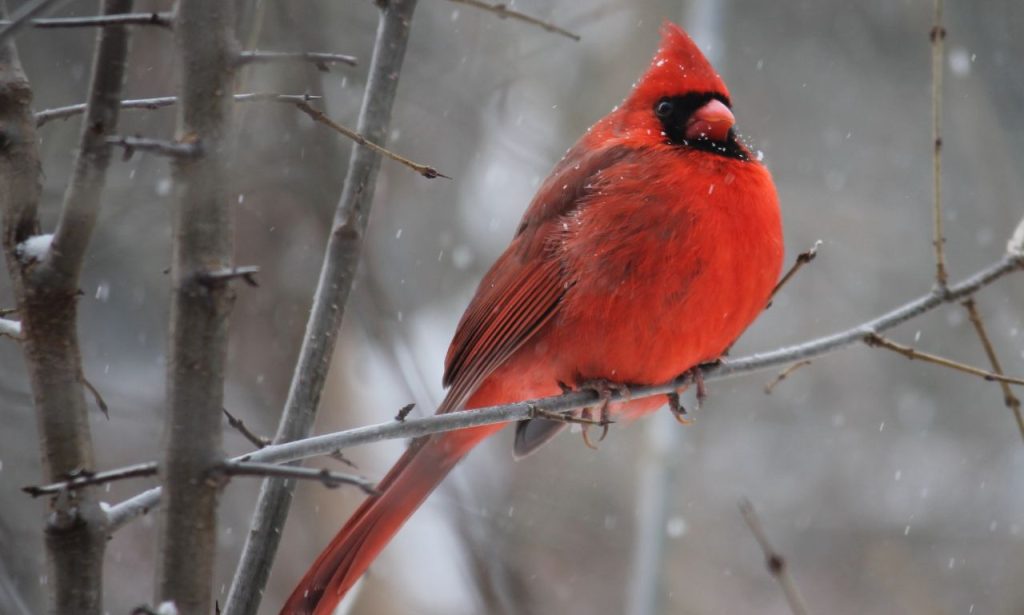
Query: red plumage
{"type": "Point", "coordinates": [653, 244]}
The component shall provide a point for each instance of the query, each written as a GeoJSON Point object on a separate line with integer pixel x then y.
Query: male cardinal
{"type": "Point", "coordinates": [653, 244]}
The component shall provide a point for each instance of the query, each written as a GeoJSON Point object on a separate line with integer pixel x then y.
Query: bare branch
{"type": "Point", "coordinates": [319, 116]}
{"type": "Point", "coordinates": [801, 259]}
{"type": "Point", "coordinates": [877, 341]}
{"type": "Point", "coordinates": [336, 275]}
{"type": "Point", "coordinates": [774, 560]}
{"type": "Point", "coordinates": [85, 479]}
{"type": "Point", "coordinates": [503, 12]}
{"type": "Point", "coordinates": [287, 451]}
{"type": "Point", "coordinates": [174, 149]}
{"type": "Point", "coordinates": [938, 38]}
{"type": "Point", "coordinates": [82, 199]}
{"type": "Point", "coordinates": [322, 61]}
{"type": "Point", "coordinates": [326, 477]}
{"type": "Point", "coordinates": [768, 388]}
{"type": "Point", "coordinates": [240, 427]}
{"type": "Point", "coordinates": [197, 344]}
{"type": "Point", "coordinates": [1012, 401]}
{"type": "Point", "coordinates": [103, 21]}
{"type": "Point", "coordinates": [60, 113]}
{"type": "Point", "coordinates": [23, 17]}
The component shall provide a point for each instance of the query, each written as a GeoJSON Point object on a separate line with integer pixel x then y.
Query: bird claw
{"type": "Point", "coordinates": [604, 389]}
{"type": "Point", "coordinates": [677, 409]}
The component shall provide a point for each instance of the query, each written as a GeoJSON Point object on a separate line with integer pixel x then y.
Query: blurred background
{"type": "Point", "coordinates": [891, 486]}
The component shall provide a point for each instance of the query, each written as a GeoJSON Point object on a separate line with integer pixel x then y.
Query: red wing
{"type": "Point", "coordinates": [514, 300]}
{"type": "Point", "coordinates": [524, 287]}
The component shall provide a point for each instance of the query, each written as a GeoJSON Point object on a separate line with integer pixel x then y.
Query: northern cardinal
{"type": "Point", "coordinates": [652, 245]}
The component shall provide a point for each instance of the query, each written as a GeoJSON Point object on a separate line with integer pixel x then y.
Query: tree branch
{"type": "Point", "coordinates": [172, 149]}
{"type": "Point", "coordinates": [287, 451]}
{"type": "Point", "coordinates": [326, 477]}
{"type": "Point", "coordinates": [802, 259]}
{"type": "Point", "coordinates": [776, 564]}
{"type": "Point", "coordinates": [102, 21]}
{"type": "Point", "coordinates": [85, 479]}
{"type": "Point", "coordinates": [877, 341]}
{"type": "Point", "coordinates": [197, 344]}
{"type": "Point", "coordinates": [60, 113]}
{"type": "Point", "coordinates": [336, 275]}
{"type": "Point", "coordinates": [321, 60]}
{"type": "Point", "coordinates": [81, 206]}
{"type": "Point", "coordinates": [23, 17]}
{"type": "Point", "coordinates": [1012, 401]}
{"type": "Point", "coordinates": [319, 116]}
{"type": "Point", "coordinates": [503, 12]}
{"type": "Point", "coordinates": [75, 533]}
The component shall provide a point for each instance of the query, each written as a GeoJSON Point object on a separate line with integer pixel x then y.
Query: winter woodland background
{"type": "Point", "coordinates": [891, 486]}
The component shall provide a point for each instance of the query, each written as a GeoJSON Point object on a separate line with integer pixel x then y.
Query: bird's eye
{"type": "Point", "coordinates": [663, 109]}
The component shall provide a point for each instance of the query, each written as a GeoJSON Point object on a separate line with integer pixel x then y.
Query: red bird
{"type": "Point", "coordinates": [653, 244]}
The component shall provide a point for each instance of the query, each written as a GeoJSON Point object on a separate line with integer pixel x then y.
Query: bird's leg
{"type": "Point", "coordinates": [677, 409]}
{"type": "Point", "coordinates": [604, 389]}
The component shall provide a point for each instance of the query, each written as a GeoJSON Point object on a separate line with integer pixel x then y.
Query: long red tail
{"type": "Point", "coordinates": [423, 466]}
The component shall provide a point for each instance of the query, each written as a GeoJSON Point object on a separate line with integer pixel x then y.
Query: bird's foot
{"type": "Point", "coordinates": [604, 389]}
{"type": "Point", "coordinates": [677, 409]}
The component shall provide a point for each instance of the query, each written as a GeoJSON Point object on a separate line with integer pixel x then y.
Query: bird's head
{"type": "Point", "coordinates": [681, 100]}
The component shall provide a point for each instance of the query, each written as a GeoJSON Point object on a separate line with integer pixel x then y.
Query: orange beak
{"type": "Point", "coordinates": [712, 122]}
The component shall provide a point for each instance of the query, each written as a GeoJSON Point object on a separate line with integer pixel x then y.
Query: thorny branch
{"type": "Point", "coordinates": [776, 563]}
{"type": "Point", "coordinates": [198, 338]}
{"type": "Point", "coordinates": [1012, 401]}
{"type": "Point", "coordinates": [46, 288]}
{"type": "Point", "coordinates": [59, 113]}
{"type": "Point", "coordinates": [283, 452]}
{"type": "Point", "coordinates": [84, 478]}
{"type": "Point", "coordinates": [503, 12]}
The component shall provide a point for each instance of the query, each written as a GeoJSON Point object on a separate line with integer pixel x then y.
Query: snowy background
{"type": "Point", "coordinates": [892, 487]}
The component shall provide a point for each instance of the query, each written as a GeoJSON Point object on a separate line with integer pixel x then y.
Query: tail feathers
{"type": "Point", "coordinates": [423, 466]}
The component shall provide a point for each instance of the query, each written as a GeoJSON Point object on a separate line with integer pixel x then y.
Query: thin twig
{"type": "Point", "coordinates": [801, 259]}
{"type": "Point", "coordinates": [775, 562]}
{"type": "Point", "coordinates": [103, 21]}
{"type": "Point", "coordinates": [85, 479]}
{"type": "Point", "coordinates": [322, 61]}
{"type": "Point", "coordinates": [414, 427]}
{"type": "Point", "coordinates": [100, 402]}
{"type": "Point", "coordinates": [238, 425]}
{"type": "Point", "coordinates": [503, 12]}
{"type": "Point", "coordinates": [23, 17]}
{"type": "Point", "coordinates": [173, 149]}
{"type": "Point", "coordinates": [1012, 401]}
{"type": "Point", "coordinates": [319, 116]}
{"type": "Point", "coordinates": [60, 113]}
{"type": "Point", "coordinates": [877, 341]}
{"type": "Point", "coordinates": [938, 37]}
{"type": "Point", "coordinates": [768, 388]}
{"type": "Point", "coordinates": [328, 478]}
{"type": "Point", "coordinates": [341, 259]}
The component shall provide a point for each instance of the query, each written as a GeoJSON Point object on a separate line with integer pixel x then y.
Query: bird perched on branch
{"type": "Point", "coordinates": [652, 245]}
